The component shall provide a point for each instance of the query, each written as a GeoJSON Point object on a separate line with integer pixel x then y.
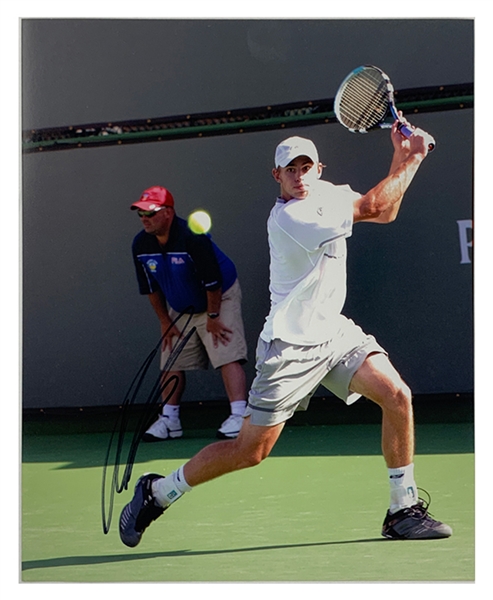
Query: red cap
{"type": "Point", "coordinates": [154, 197]}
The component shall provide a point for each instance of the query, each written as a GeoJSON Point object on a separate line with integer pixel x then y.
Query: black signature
{"type": "Point", "coordinates": [116, 455]}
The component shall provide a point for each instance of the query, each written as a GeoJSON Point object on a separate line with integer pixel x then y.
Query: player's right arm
{"type": "Point", "coordinates": [169, 331]}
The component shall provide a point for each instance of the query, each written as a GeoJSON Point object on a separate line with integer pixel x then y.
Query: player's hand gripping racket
{"type": "Point", "coordinates": [365, 100]}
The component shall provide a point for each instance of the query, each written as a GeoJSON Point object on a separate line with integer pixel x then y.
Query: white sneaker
{"type": "Point", "coordinates": [164, 428]}
{"type": "Point", "coordinates": [230, 428]}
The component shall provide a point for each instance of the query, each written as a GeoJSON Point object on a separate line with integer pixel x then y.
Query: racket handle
{"type": "Point", "coordinates": [406, 132]}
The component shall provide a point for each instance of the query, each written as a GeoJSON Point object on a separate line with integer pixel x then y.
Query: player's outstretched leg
{"type": "Point", "coordinates": [139, 513]}
{"type": "Point", "coordinates": [154, 493]}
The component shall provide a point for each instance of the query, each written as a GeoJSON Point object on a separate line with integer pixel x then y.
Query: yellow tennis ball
{"type": "Point", "coordinates": [199, 221]}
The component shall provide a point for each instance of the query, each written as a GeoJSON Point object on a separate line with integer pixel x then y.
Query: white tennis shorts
{"type": "Point", "coordinates": [288, 375]}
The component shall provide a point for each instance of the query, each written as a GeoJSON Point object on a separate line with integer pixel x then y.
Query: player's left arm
{"type": "Point", "coordinates": [401, 152]}
{"type": "Point", "coordinates": [382, 203]}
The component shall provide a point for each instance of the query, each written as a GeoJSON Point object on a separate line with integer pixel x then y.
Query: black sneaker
{"type": "Point", "coordinates": [414, 523]}
{"type": "Point", "coordinates": [139, 513]}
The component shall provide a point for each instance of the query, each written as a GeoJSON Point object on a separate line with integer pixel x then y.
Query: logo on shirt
{"type": "Point", "coordinates": [320, 211]}
{"type": "Point", "coordinates": [152, 265]}
{"type": "Point", "coordinates": [177, 260]}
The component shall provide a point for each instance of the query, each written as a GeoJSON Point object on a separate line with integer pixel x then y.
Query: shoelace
{"type": "Point", "coordinates": [422, 507]}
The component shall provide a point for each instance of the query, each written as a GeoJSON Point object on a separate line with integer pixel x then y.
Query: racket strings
{"type": "Point", "coordinates": [364, 100]}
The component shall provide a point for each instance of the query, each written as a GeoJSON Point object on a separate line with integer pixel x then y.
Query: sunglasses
{"type": "Point", "coordinates": [148, 213]}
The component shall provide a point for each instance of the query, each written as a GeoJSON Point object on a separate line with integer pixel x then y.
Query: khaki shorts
{"type": "Point", "coordinates": [199, 349]}
{"type": "Point", "coordinates": [288, 375]}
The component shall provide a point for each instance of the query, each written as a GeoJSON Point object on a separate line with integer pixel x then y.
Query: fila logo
{"type": "Point", "coordinates": [177, 260]}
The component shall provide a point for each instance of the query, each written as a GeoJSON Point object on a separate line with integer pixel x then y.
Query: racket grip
{"type": "Point", "coordinates": [404, 129]}
{"type": "Point", "coordinates": [406, 132]}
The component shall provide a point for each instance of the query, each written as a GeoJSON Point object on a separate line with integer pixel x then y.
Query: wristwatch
{"type": "Point", "coordinates": [212, 315]}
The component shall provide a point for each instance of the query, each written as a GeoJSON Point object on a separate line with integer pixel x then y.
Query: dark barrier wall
{"type": "Point", "coordinates": [86, 330]}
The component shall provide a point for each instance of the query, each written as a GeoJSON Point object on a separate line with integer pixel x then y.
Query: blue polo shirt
{"type": "Point", "coordinates": [184, 269]}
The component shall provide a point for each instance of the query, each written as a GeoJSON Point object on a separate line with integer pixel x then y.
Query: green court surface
{"type": "Point", "coordinates": [311, 512]}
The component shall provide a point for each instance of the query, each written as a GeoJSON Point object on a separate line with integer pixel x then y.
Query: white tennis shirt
{"type": "Point", "coordinates": [307, 241]}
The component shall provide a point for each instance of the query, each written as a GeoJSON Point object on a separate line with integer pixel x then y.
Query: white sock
{"type": "Point", "coordinates": [168, 489]}
{"type": "Point", "coordinates": [238, 407]}
{"type": "Point", "coordinates": [172, 411]}
{"type": "Point", "coordinates": [403, 491]}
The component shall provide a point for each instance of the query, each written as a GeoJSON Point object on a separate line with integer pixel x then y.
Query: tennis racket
{"type": "Point", "coordinates": [365, 101]}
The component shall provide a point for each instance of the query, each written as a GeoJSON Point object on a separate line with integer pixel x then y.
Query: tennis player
{"type": "Point", "coordinates": [306, 341]}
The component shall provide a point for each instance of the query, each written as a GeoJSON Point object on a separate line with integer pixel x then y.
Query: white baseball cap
{"type": "Point", "coordinates": [293, 147]}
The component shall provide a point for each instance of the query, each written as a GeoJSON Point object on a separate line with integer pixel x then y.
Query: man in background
{"type": "Point", "coordinates": [189, 280]}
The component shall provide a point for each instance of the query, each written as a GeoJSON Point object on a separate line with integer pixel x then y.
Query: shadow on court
{"type": "Point", "coordinates": [70, 561]}
{"type": "Point", "coordinates": [89, 450]}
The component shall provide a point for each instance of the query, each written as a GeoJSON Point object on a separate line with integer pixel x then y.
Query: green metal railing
{"type": "Point", "coordinates": [300, 114]}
